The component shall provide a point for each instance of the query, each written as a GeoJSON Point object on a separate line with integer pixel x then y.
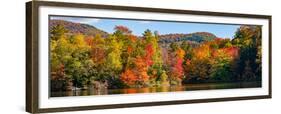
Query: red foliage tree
{"type": "Point", "coordinates": [123, 29]}
{"type": "Point", "coordinates": [149, 54]}
{"type": "Point", "coordinates": [178, 69]}
{"type": "Point", "coordinates": [232, 51]}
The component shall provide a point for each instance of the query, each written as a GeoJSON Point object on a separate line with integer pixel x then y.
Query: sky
{"type": "Point", "coordinates": [139, 26]}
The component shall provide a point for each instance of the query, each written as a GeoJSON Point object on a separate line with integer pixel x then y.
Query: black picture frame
{"type": "Point", "coordinates": [32, 51]}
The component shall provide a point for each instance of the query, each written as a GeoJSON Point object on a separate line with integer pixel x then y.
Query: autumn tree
{"type": "Point", "coordinates": [129, 77]}
{"type": "Point", "coordinates": [59, 48]}
{"type": "Point", "coordinates": [113, 62]}
{"type": "Point", "coordinates": [137, 74]}
{"type": "Point", "coordinates": [72, 53]}
{"type": "Point", "coordinates": [57, 32]}
{"type": "Point", "coordinates": [113, 58]}
{"type": "Point", "coordinates": [153, 55]}
{"type": "Point", "coordinates": [122, 29]}
{"type": "Point", "coordinates": [78, 62]}
{"type": "Point", "coordinates": [176, 72]}
{"type": "Point", "coordinates": [140, 69]}
{"type": "Point", "coordinates": [197, 66]}
{"type": "Point", "coordinates": [220, 65]}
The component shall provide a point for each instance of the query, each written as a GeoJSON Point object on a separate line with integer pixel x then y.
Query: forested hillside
{"type": "Point", "coordinates": [76, 28]}
{"type": "Point", "coordinates": [123, 60]}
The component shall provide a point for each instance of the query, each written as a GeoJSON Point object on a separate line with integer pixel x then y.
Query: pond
{"type": "Point", "coordinates": [186, 87]}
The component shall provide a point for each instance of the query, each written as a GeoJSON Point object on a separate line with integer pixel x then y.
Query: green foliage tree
{"type": "Point", "coordinates": [220, 66]}
{"type": "Point", "coordinates": [164, 79]}
{"type": "Point", "coordinates": [248, 39]}
{"type": "Point", "coordinates": [57, 32]}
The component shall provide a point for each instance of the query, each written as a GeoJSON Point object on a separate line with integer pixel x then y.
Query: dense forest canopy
{"type": "Point", "coordinates": [123, 60]}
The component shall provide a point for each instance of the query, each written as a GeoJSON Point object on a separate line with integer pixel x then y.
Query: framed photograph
{"type": "Point", "coordinates": [86, 56]}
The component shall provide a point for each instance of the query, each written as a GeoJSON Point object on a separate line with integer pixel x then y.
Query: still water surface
{"type": "Point", "coordinates": [187, 87]}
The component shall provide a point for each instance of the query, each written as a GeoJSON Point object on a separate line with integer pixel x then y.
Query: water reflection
{"type": "Point", "coordinates": [187, 87]}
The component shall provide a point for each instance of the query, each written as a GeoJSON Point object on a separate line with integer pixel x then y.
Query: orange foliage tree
{"type": "Point", "coordinates": [149, 53]}
{"type": "Point", "coordinates": [128, 77]}
{"type": "Point", "coordinates": [136, 76]}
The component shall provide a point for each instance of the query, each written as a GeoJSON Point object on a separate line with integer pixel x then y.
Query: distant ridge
{"type": "Point", "coordinates": [73, 28]}
{"type": "Point", "coordinates": [195, 37]}
{"type": "Point", "coordinates": [89, 30]}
